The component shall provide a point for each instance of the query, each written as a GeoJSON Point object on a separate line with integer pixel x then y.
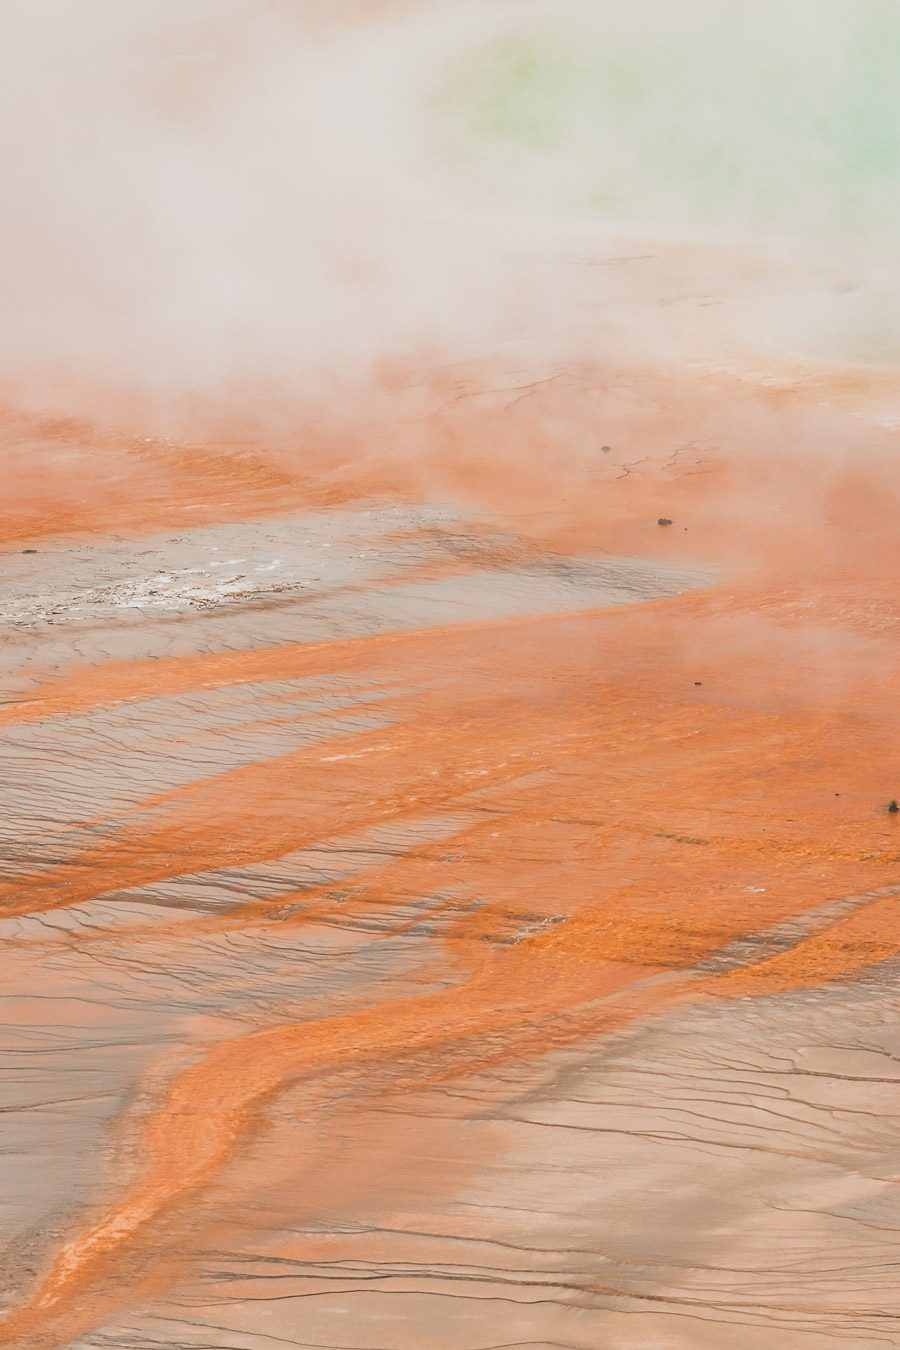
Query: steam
{"type": "Point", "coordinates": [221, 195]}
{"type": "Point", "coordinates": [227, 200]}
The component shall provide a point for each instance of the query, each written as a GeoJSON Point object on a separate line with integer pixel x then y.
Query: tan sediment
{"type": "Point", "coordinates": [630, 823]}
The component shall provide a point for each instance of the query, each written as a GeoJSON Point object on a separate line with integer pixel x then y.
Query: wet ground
{"type": "Point", "coordinates": [448, 679]}
{"type": "Point", "coordinates": [449, 908]}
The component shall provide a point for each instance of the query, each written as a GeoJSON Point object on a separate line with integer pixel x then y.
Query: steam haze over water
{"type": "Point", "coordinates": [450, 624]}
{"type": "Point", "coordinates": [204, 200]}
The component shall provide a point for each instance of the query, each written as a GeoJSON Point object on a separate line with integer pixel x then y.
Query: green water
{"type": "Point", "coordinates": [763, 118]}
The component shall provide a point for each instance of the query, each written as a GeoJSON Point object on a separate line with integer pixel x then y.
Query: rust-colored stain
{"type": "Point", "coordinates": [632, 793]}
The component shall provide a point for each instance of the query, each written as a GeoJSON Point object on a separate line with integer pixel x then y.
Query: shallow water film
{"type": "Point", "coordinates": [449, 642]}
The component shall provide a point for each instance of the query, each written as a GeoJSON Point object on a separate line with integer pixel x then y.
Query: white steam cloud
{"type": "Point", "coordinates": [217, 200]}
{"type": "Point", "coordinates": [214, 195]}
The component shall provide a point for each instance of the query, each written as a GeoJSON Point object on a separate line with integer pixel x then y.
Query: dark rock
{"type": "Point", "coordinates": [664, 520]}
{"type": "Point", "coordinates": [29, 550]}
{"type": "Point", "coordinates": [893, 808]}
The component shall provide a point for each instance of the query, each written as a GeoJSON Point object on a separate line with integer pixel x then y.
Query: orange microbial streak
{"type": "Point", "coordinates": [631, 809]}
